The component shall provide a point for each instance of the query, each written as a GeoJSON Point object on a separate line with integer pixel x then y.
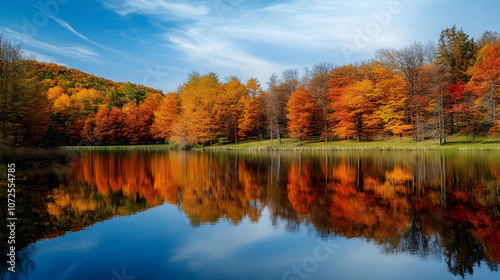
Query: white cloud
{"type": "Point", "coordinates": [71, 29]}
{"type": "Point", "coordinates": [63, 244]}
{"type": "Point", "coordinates": [252, 40]}
{"type": "Point", "coordinates": [77, 51]}
{"type": "Point", "coordinates": [214, 52]}
{"type": "Point", "coordinates": [241, 38]}
{"type": "Point", "coordinates": [41, 57]}
{"type": "Point", "coordinates": [220, 244]}
{"type": "Point", "coordinates": [308, 24]}
{"type": "Point", "coordinates": [157, 7]}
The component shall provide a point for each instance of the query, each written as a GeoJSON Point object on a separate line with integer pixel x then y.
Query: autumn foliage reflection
{"type": "Point", "coordinates": [421, 204]}
{"type": "Point", "coordinates": [301, 191]}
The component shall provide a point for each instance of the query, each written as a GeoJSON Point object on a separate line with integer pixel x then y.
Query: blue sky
{"type": "Point", "coordinates": [158, 42]}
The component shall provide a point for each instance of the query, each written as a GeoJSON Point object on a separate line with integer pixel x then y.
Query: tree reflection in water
{"type": "Point", "coordinates": [431, 205]}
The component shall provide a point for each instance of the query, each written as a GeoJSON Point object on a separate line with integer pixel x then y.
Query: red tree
{"type": "Point", "coordinates": [485, 84]}
{"type": "Point", "coordinates": [300, 108]}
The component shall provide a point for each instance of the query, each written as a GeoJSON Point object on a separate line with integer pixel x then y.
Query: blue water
{"type": "Point", "coordinates": [161, 244]}
{"type": "Point", "coordinates": [288, 216]}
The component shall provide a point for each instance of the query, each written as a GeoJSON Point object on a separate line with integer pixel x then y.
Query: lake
{"type": "Point", "coordinates": [260, 215]}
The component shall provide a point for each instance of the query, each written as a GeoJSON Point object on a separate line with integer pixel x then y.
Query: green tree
{"type": "Point", "coordinates": [24, 113]}
{"type": "Point", "coordinates": [456, 52]}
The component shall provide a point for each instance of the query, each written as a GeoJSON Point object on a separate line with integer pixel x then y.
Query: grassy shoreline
{"type": "Point", "coordinates": [455, 143]}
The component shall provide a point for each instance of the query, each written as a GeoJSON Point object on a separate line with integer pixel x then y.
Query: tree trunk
{"type": "Point", "coordinates": [326, 122]}
{"type": "Point", "coordinates": [278, 133]}
{"type": "Point", "coordinates": [441, 131]}
{"type": "Point", "coordinates": [419, 132]}
{"type": "Point", "coordinates": [326, 133]}
{"type": "Point", "coordinates": [412, 121]}
{"type": "Point", "coordinates": [271, 128]}
{"type": "Point", "coordinates": [358, 127]}
{"type": "Point", "coordinates": [236, 133]}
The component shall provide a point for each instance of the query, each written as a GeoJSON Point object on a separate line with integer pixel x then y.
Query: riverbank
{"type": "Point", "coordinates": [397, 144]}
{"type": "Point", "coordinates": [455, 143]}
{"type": "Point", "coordinates": [34, 159]}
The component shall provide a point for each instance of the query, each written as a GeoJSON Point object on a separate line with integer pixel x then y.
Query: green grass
{"type": "Point", "coordinates": [406, 143]}
{"type": "Point", "coordinates": [455, 143]}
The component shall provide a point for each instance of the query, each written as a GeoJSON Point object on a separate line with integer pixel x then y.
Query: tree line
{"type": "Point", "coordinates": [422, 90]}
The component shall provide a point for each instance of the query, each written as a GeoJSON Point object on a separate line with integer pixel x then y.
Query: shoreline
{"type": "Point", "coordinates": [289, 144]}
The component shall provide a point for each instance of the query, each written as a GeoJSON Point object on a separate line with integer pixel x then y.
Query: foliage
{"type": "Point", "coordinates": [424, 90]}
{"type": "Point", "coordinates": [300, 111]}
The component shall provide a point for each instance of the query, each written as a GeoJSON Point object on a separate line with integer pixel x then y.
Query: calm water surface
{"type": "Point", "coordinates": [261, 215]}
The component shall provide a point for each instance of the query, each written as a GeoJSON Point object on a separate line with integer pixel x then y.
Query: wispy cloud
{"type": "Point", "coordinates": [214, 52]}
{"type": "Point", "coordinates": [267, 39]}
{"type": "Point", "coordinates": [157, 7]}
{"type": "Point", "coordinates": [301, 24]}
{"type": "Point", "coordinates": [68, 27]}
{"type": "Point", "coordinates": [71, 29]}
{"type": "Point", "coordinates": [219, 244]}
{"type": "Point", "coordinates": [245, 38]}
{"type": "Point", "coordinates": [256, 39]}
{"type": "Point", "coordinates": [77, 51]}
{"type": "Point", "coordinates": [41, 57]}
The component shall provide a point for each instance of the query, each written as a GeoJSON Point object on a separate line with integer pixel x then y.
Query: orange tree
{"type": "Point", "coordinates": [300, 112]}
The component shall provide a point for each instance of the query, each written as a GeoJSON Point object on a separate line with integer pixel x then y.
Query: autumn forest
{"type": "Point", "coordinates": [159, 211]}
{"type": "Point", "coordinates": [426, 91]}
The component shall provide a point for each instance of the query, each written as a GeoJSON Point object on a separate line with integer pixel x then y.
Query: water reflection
{"type": "Point", "coordinates": [430, 205]}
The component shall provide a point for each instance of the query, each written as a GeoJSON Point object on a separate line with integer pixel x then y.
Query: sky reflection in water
{"type": "Point", "coordinates": [189, 215]}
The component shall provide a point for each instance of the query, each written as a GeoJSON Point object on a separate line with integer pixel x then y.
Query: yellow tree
{"type": "Point", "coordinates": [166, 116]}
{"type": "Point", "coordinates": [62, 103]}
{"type": "Point", "coordinates": [390, 91]}
{"type": "Point", "coordinates": [54, 92]}
{"type": "Point", "coordinates": [251, 110]}
{"type": "Point", "coordinates": [300, 108]}
{"type": "Point", "coordinates": [228, 108]}
{"type": "Point", "coordinates": [87, 100]}
{"type": "Point", "coordinates": [253, 87]}
{"type": "Point", "coordinates": [196, 122]}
